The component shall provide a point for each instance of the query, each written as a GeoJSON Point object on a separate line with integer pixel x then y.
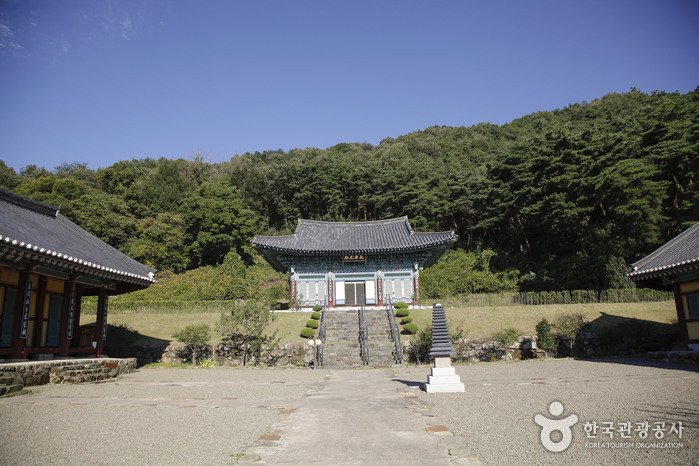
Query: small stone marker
{"type": "Point", "coordinates": [442, 378]}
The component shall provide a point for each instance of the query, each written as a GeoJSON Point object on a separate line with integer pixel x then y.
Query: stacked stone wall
{"type": "Point", "coordinates": [14, 377]}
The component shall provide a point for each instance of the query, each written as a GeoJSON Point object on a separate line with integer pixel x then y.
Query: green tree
{"type": "Point", "coordinates": [78, 172]}
{"type": "Point", "coordinates": [569, 325]}
{"type": "Point", "coordinates": [194, 336]}
{"type": "Point", "coordinates": [160, 243]}
{"type": "Point", "coordinates": [162, 189]}
{"type": "Point", "coordinates": [245, 327]}
{"type": "Point", "coordinates": [8, 177]}
{"type": "Point", "coordinates": [217, 222]}
{"type": "Point", "coordinates": [463, 272]}
{"type": "Point", "coordinates": [544, 337]}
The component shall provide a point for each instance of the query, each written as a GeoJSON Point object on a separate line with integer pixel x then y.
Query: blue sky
{"type": "Point", "coordinates": [96, 82]}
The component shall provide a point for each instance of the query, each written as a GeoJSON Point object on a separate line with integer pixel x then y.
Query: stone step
{"type": "Point", "coordinates": [342, 348]}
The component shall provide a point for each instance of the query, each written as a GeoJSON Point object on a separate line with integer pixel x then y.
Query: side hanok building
{"type": "Point", "coordinates": [353, 263]}
{"type": "Point", "coordinates": [675, 267]}
{"type": "Point", "coordinates": [47, 264]}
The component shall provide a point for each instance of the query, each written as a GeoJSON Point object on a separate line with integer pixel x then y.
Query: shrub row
{"type": "Point", "coordinates": [309, 331]}
{"type": "Point", "coordinates": [407, 322]}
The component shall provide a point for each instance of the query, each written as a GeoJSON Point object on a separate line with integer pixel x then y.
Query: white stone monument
{"type": "Point", "coordinates": [442, 378]}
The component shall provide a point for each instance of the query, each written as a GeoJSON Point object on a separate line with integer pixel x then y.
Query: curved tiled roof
{"type": "Point", "coordinates": [678, 254]}
{"type": "Point", "coordinates": [31, 228]}
{"type": "Point", "coordinates": [392, 235]}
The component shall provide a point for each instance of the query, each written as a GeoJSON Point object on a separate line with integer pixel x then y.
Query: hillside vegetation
{"type": "Point", "coordinates": [554, 200]}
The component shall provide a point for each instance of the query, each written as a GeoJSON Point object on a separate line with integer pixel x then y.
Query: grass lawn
{"type": "Point", "coordinates": [482, 322]}
{"type": "Point", "coordinates": [288, 325]}
{"type": "Point", "coordinates": [477, 322]}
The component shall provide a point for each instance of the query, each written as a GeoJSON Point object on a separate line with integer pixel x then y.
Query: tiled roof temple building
{"type": "Point", "coordinates": [353, 263]}
{"type": "Point", "coordinates": [47, 264]}
{"type": "Point", "coordinates": [675, 267]}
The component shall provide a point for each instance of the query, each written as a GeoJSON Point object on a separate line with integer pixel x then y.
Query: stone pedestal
{"type": "Point", "coordinates": [443, 378]}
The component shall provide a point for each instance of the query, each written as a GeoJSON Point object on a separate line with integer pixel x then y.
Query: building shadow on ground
{"type": "Point", "coordinates": [409, 383]}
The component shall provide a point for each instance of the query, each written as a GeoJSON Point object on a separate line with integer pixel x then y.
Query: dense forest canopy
{"type": "Point", "coordinates": [566, 198]}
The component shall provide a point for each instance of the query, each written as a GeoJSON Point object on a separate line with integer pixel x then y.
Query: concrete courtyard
{"type": "Point", "coordinates": [372, 416]}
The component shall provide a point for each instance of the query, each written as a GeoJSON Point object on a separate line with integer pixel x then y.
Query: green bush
{"type": "Point", "coordinates": [317, 308]}
{"type": "Point", "coordinates": [411, 328]}
{"type": "Point", "coordinates": [402, 312]}
{"type": "Point", "coordinates": [308, 332]}
{"type": "Point", "coordinates": [193, 336]}
{"type": "Point", "coordinates": [315, 315]}
{"type": "Point", "coordinates": [569, 325]}
{"type": "Point", "coordinates": [459, 334]}
{"type": "Point", "coordinates": [401, 305]}
{"type": "Point", "coordinates": [544, 337]}
{"type": "Point", "coordinates": [461, 272]}
{"type": "Point", "coordinates": [506, 337]}
{"type": "Point", "coordinates": [406, 320]}
{"type": "Point", "coordinates": [312, 324]}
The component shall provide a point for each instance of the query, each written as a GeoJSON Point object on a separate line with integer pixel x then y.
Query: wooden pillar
{"type": "Point", "coordinates": [681, 318]}
{"type": "Point", "coordinates": [17, 342]}
{"type": "Point", "coordinates": [100, 327]}
{"type": "Point", "coordinates": [67, 322]}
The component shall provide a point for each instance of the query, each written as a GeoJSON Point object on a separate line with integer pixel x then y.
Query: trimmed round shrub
{"type": "Point", "coordinates": [308, 332]}
{"type": "Point", "coordinates": [411, 328]}
{"type": "Point", "coordinates": [402, 312]}
{"type": "Point", "coordinates": [312, 324]}
{"type": "Point", "coordinates": [315, 315]}
{"type": "Point", "coordinates": [401, 305]}
{"type": "Point", "coordinates": [317, 308]}
{"type": "Point", "coordinates": [406, 320]}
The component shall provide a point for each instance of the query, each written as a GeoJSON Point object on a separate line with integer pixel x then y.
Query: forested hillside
{"type": "Point", "coordinates": [567, 198]}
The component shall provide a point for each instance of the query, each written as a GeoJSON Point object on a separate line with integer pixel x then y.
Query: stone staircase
{"type": "Point", "coordinates": [381, 348]}
{"type": "Point", "coordinates": [341, 348]}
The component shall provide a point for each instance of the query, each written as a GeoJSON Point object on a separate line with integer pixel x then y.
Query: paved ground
{"type": "Point", "coordinates": [375, 416]}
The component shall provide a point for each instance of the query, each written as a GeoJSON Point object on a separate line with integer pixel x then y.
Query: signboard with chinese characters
{"type": "Point", "coordinates": [26, 308]}
{"type": "Point", "coordinates": [71, 315]}
{"type": "Point", "coordinates": [104, 318]}
{"type": "Point", "coordinates": [354, 258]}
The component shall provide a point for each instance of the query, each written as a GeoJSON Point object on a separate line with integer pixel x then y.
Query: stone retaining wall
{"type": "Point", "coordinates": [15, 376]}
{"type": "Point", "coordinates": [676, 357]}
{"type": "Point", "coordinates": [224, 354]}
{"type": "Point", "coordinates": [619, 341]}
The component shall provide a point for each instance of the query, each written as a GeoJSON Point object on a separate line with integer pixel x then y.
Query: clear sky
{"type": "Point", "coordinates": [96, 82]}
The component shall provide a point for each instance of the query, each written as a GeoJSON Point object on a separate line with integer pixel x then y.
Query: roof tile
{"type": "Point", "coordinates": [394, 234]}
{"type": "Point", "coordinates": [680, 251]}
{"type": "Point", "coordinates": [33, 225]}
